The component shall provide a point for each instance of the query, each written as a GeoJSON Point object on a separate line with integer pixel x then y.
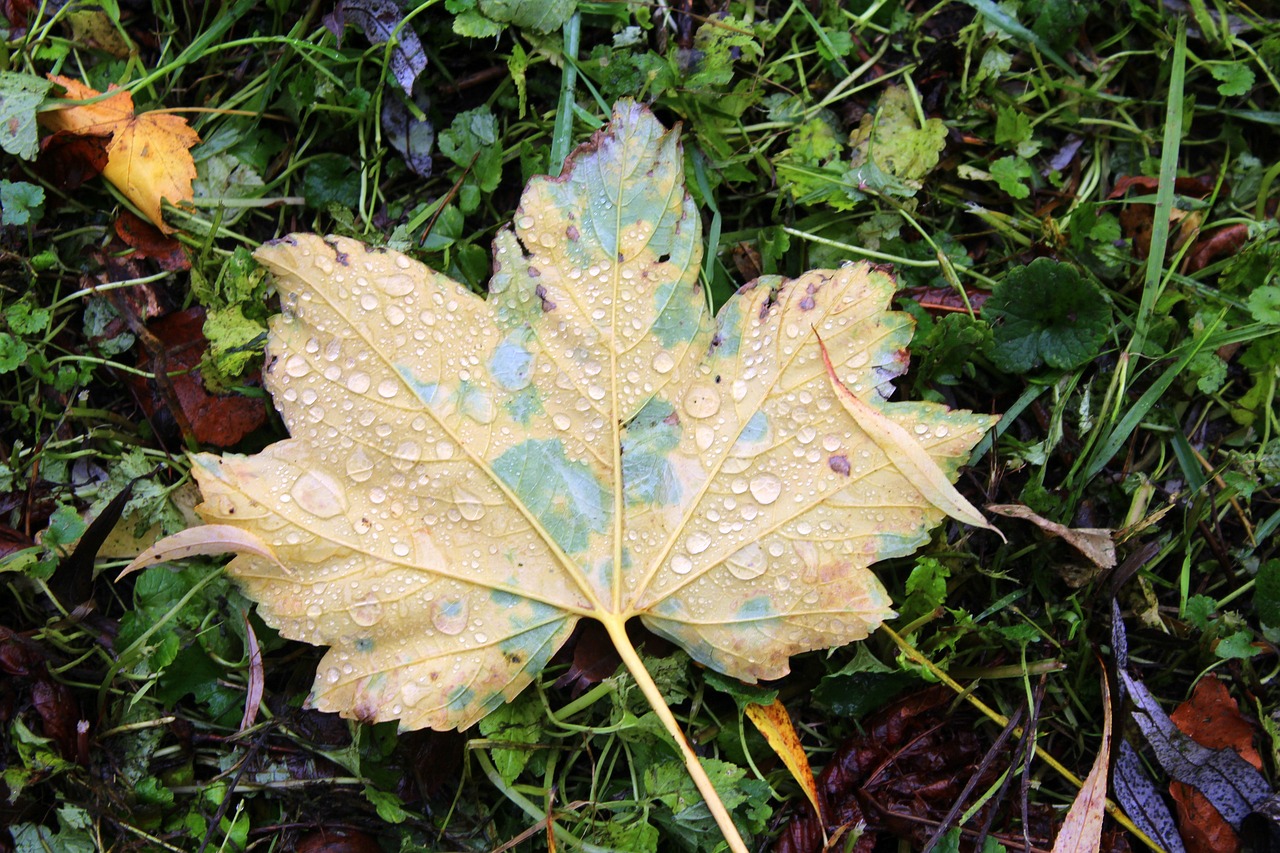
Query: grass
{"type": "Point", "coordinates": [1135, 369]}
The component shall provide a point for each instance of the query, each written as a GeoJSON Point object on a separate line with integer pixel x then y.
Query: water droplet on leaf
{"type": "Point", "coordinates": [765, 488]}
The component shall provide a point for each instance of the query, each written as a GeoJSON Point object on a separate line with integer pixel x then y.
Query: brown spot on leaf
{"type": "Point", "coordinates": [839, 464]}
{"type": "Point", "coordinates": [547, 304]}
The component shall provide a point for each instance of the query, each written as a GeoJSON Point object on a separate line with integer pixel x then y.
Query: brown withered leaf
{"type": "Point", "coordinates": [67, 159]}
{"type": "Point", "coordinates": [900, 776]}
{"type": "Point", "coordinates": [148, 242]}
{"type": "Point", "coordinates": [1096, 543]}
{"type": "Point", "coordinates": [1223, 241]}
{"type": "Point", "coordinates": [220, 420]}
{"type": "Point", "coordinates": [1212, 718]}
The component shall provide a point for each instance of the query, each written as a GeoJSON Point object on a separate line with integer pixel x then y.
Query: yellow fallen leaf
{"type": "Point", "coordinates": [905, 453]}
{"type": "Point", "coordinates": [774, 723]}
{"type": "Point", "coordinates": [148, 157]}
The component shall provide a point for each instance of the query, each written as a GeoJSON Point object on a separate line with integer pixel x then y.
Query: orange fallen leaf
{"type": "Point", "coordinates": [774, 723]}
{"type": "Point", "coordinates": [1212, 718]}
{"type": "Point", "coordinates": [148, 157]}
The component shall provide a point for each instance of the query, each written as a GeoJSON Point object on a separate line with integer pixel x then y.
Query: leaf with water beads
{"type": "Point", "coordinates": [469, 477]}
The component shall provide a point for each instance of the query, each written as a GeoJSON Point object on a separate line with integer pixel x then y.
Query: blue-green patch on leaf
{"type": "Point", "coordinates": [563, 495]}
{"type": "Point", "coordinates": [648, 476]}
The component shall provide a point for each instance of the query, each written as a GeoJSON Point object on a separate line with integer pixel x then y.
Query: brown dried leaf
{"type": "Point", "coordinates": [1081, 832]}
{"type": "Point", "coordinates": [1212, 718]}
{"type": "Point", "coordinates": [1096, 543]}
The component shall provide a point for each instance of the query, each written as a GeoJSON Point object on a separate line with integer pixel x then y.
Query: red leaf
{"type": "Point", "coordinates": [18, 655]}
{"type": "Point", "coordinates": [148, 242]}
{"type": "Point", "coordinates": [1199, 187]}
{"type": "Point", "coordinates": [11, 540]}
{"type": "Point", "coordinates": [220, 420]}
{"type": "Point", "coordinates": [59, 712]}
{"type": "Point", "coordinates": [1212, 718]}
{"type": "Point", "coordinates": [1224, 241]}
{"type": "Point", "coordinates": [945, 300]}
{"type": "Point", "coordinates": [900, 776]}
{"type": "Point", "coordinates": [68, 160]}
{"type": "Point", "coordinates": [337, 841]}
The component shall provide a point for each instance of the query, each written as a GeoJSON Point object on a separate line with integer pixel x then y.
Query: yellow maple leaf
{"type": "Point", "coordinates": [148, 157]}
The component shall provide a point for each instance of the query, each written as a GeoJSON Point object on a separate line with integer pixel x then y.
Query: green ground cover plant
{"type": "Point", "coordinates": [1077, 202]}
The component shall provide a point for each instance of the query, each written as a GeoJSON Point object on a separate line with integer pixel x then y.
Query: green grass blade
{"type": "Point", "coordinates": [1164, 193]}
{"type": "Point", "coordinates": [562, 133]}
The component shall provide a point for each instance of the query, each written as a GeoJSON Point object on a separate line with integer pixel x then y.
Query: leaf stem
{"type": "Point", "coordinates": [631, 658]}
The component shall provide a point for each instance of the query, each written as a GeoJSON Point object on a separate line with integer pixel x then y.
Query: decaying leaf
{"type": "Point", "coordinates": [774, 723]}
{"type": "Point", "coordinates": [467, 478]}
{"type": "Point", "coordinates": [1212, 718]}
{"type": "Point", "coordinates": [148, 157]}
{"type": "Point", "coordinates": [1096, 543]}
{"type": "Point", "coordinates": [1082, 829]}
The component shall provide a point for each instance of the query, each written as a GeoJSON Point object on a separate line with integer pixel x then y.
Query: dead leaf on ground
{"type": "Point", "coordinates": [1096, 543]}
{"type": "Point", "coordinates": [1137, 219]}
{"type": "Point", "coordinates": [148, 242]}
{"type": "Point", "coordinates": [900, 776]}
{"type": "Point", "coordinates": [68, 159]}
{"type": "Point", "coordinates": [220, 420]}
{"type": "Point", "coordinates": [1222, 242]}
{"type": "Point", "coordinates": [774, 723]}
{"type": "Point", "coordinates": [148, 157]}
{"type": "Point", "coordinates": [1212, 718]}
{"type": "Point", "coordinates": [597, 445]}
{"type": "Point", "coordinates": [1081, 832]}
{"type": "Point", "coordinates": [946, 300]}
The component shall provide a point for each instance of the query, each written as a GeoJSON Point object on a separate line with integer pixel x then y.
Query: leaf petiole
{"type": "Point", "coordinates": [631, 658]}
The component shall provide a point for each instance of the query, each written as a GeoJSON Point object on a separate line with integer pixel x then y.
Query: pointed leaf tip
{"type": "Point", "coordinates": [205, 540]}
{"type": "Point", "coordinates": [905, 453]}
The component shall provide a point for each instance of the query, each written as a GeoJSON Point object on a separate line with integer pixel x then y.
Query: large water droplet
{"type": "Point", "coordinates": [444, 449]}
{"type": "Point", "coordinates": [697, 542]}
{"type": "Point", "coordinates": [396, 285]}
{"type": "Point", "coordinates": [296, 366]}
{"type": "Point", "coordinates": [358, 382]}
{"type": "Point", "coordinates": [359, 465]}
{"type": "Point", "coordinates": [748, 562]}
{"type": "Point", "coordinates": [765, 488]}
{"type": "Point", "coordinates": [388, 388]}
{"type": "Point", "coordinates": [663, 362]}
{"type": "Point", "coordinates": [561, 420]}
{"type": "Point", "coordinates": [319, 494]}
{"type": "Point", "coordinates": [705, 436]}
{"type": "Point", "coordinates": [449, 616]}
{"type": "Point", "coordinates": [681, 565]}
{"type": "Point", "coordinates": [702, 401]}
{"type": "Point", "coordinates": [366, 612]}
{"type": "Point", "coordinates": [469, 506]}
